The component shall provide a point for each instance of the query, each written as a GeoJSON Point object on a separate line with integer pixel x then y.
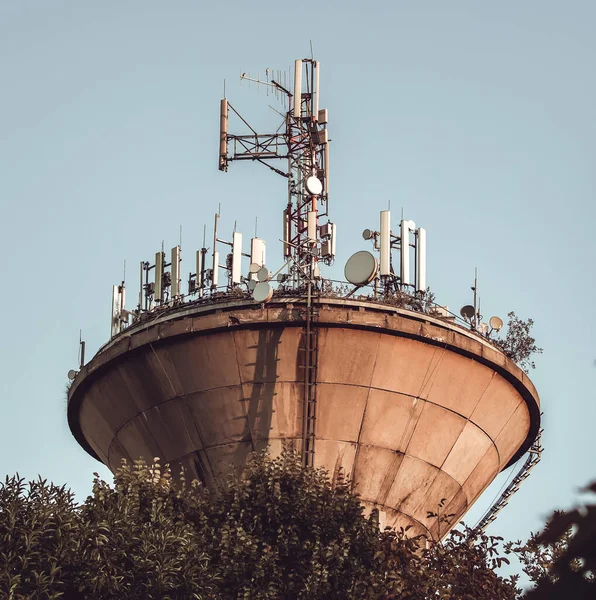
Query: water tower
{"type": "Point", "coordinates": [414, 404]}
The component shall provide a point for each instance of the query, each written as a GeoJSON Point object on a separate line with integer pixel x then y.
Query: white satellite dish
{"type": "Point", "coordinates": [263, 274]}
{"type": "Point", "coordinates": [72, 374]}
{"type": "Point", "coordinates": [263, 292]}
{"type": "Point", "coordinates": [367, 234]}
{"type": "Point", "coordinates": [314, 186]}
{"type": "Point", "coordinates": [252, 284]}
{"type": "Point", "coordinates": [254, 267]}
{"type": "Point", "coordinates": [496, 323]}
{"type": "Point", "coordinates": [361, 268]}
{"type": "Point", "coordinates": [467, 312]}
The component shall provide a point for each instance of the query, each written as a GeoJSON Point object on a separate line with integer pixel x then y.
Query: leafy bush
{"type": "Point", "coordinates": [282, 531]}
{"type": "Point", "coordinates": [519, 344]}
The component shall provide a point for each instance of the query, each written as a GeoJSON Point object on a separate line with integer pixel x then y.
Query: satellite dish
{"type": "Point", "coordinates": [281, 277]}
{"type": "Point", "coordinates": [252, 284]}
{"type": "Point", "coordinates": [72, 374]}
{"type": "Point", "coordinates": [314, 186]}
{"type": "Point", "coordinates": [367, 234]}
{"type": "Point", "coordinates": [467, 312]}
{"type": "Point", "coordinates": [496, 323]}
{"type": "Point", "coordinates": [263, 274]}
{"type": "Point", "coordinates": [263, 292]}
{"type": "Point", "coordinates": [254, 267]}
{"type": "Point", "coordinates": [361, 268]}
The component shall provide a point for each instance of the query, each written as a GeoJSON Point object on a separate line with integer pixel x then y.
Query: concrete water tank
{"type": "Point", "coordinates": [413, 408]}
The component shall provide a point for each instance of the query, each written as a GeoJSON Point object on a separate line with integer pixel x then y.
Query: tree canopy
{"type": "Point", "coordinates": [279, 531]}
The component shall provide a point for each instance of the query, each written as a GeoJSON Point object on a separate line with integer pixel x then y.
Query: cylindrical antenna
{"type": "Point", "coordinates": [297, 88]}
{"type": "Point", "coordinates": [385, 243]}
{"type": "Point", "coordinates": [421, 260]}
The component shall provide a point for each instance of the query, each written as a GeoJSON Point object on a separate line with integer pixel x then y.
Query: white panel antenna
{"type": "Point", "coordinates": [215, 273]}
{"type": "Point", "coordinates": [326, 167]}
{"type": "Point", "coordinates": [421, 260]}
{"type": "Point", "coordinates": [175, 273]}
{"type": "Point", "coordinates": [257, 251]}
{"type": "Point", "coordinates": [333, 238]}
{"type": "Point", "coordinates": [286, 226]}
{"type": "Point", "coordinates": [315, 110]}
{"type": "Point", "coordinates": [312, 226]}
{"type": "Point", "coordinates": [385, 242]}
{"type": "Point", "coordinates": [159, 267]}
{"type": "Point", "coordinates": [115, 323]}
{"type": "Point", "coordinates": [119, 313]}
{"type": "Point", "coordinates": [215, 266]}
{"type": "Point", "coordinates": [200, 276]}
{"type": "Point", "coordinates": [236, 258]}
{"type": "Point", "coordinates": [406, 227]}
{"type": "Point", "coordinates": [297, 88]}
{"type": "Point", "coordinates": [223, 136]}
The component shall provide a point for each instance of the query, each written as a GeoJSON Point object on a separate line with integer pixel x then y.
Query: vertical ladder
{"type": "Point", "coordinates": [309, 414]}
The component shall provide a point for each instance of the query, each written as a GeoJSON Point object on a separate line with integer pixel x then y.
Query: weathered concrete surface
{"type": "Point", "coordinates": [412, 408]}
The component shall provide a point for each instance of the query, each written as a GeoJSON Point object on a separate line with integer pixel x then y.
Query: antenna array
{"type": "Point", "coordinates": [382, 270]}
{"type": "Point", "coordinates": [302, 142]}
{"type": "Point", "coordinates": [160, 283]}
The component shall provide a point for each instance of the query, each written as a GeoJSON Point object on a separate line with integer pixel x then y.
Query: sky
{"type": "Point", "coordinates": [476, 117]}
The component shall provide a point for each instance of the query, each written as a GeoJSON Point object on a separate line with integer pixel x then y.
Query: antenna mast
{"type": "Point", "coordinates": [303, 142]}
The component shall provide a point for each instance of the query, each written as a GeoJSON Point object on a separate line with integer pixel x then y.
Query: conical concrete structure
{"type": "Point", "coordinates": [413, 408]}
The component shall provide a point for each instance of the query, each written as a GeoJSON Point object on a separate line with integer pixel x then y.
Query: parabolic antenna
{"type": "Point", "coordinates": [252, 284]}
{"type": "Point", "coordinates": [314, 186]}
{"type": "Point", "coordinates": [361, 268]}
{"type": "Point", "coordinates": [281, 277]}
{"type": "Point", "coordinates": [496, 323]}
{"type": "Point", "coordinates": [367, 234]}
{"type": "Point", "coordinates": [72, 374]}
{"type": "Point", "coordinates": [254, 267]}
{"type": "Point", "coordinates": [263, 274]}
{"type": "Point", "coordinates": [467, 311]}
{"type": "Point", "coordinates": [263, 292]}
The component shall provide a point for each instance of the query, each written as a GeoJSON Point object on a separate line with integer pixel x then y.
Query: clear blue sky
{"type": "Point", "coordinates": [476, 117]}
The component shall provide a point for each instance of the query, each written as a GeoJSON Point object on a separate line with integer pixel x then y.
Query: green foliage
{"type": "Point", "coordinates": [281, 531]}
{"type": "Point", "coordinates": [518, 344]}
{"type": "Point", "coordinates": [561, 560]}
